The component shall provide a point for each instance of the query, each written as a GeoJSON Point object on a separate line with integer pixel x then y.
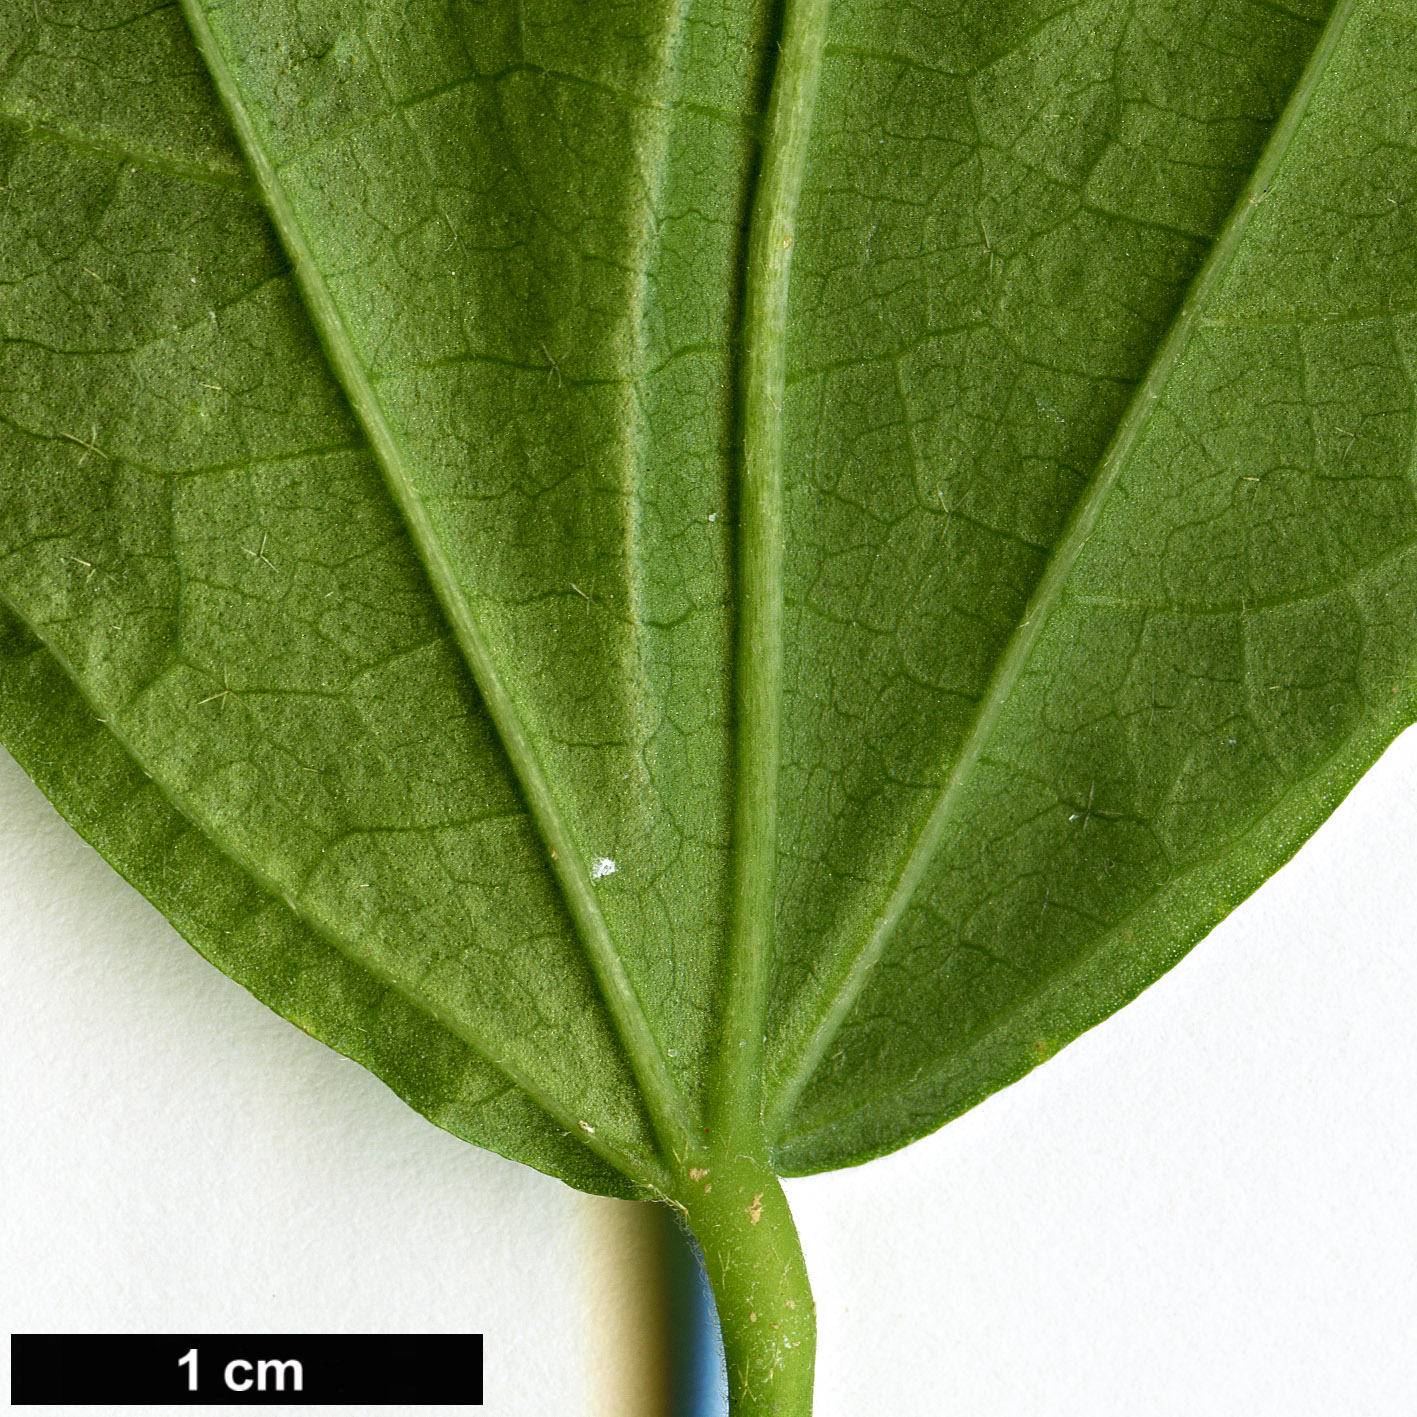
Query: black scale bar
{"type": "Point", "coordinates": [198, 1370]}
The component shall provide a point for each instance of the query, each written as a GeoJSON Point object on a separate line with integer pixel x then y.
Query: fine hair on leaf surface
{"type": "Point", "coordinates": [700, 585]}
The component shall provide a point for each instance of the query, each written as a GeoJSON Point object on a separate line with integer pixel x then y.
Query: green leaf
{"type": "Point", "coordinates": [693, 584]}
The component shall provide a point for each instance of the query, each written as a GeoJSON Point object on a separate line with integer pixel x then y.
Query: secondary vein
{"type": "Point", "coordinates": [737, 1099]}
{"type": "Point", "coordinates": [663, 1100]}
{"type": "Point", "coordinates": [30, 130]}
{"type": "Point", "coordinates": [837, 994]}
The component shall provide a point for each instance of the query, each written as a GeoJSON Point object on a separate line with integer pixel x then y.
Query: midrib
{"type": "Point", "coordinates": [737, 1083]}
{"type": "Point", "coordinates": [663, 1101]}
{"type": "Point", "coordinates": [835, 997]}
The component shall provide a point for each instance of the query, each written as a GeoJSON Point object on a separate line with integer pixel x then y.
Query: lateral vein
{"type": "Point", "coordinates": [663, 1100]}
{"type": "Point", "coordinates": [837, 994]}
{"type": "Point", "coordinates": [1315, 787]}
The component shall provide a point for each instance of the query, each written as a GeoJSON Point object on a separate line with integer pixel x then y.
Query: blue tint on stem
{"type": "Point", "coordinates": [699, 1378]}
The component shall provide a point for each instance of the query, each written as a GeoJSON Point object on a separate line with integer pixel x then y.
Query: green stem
{"type": "Point", "coordinates": [753, 1257]}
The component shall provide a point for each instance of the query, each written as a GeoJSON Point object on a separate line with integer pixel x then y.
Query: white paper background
{"type": "Point", "coordinates": [1203, 1208]}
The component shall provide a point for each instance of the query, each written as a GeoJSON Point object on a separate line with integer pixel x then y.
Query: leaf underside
{"type": "Point", "coordinates": [369, 493]}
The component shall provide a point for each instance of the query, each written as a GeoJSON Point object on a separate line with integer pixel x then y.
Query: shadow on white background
{"type": "Point", "coordinates": [1203, 1208]}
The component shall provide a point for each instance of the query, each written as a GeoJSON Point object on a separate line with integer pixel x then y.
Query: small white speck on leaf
{"type": "Point", "coordinates": [586, 1128]}
{"type": "Point", "coordinates": [755, 1211]}
{"type": "Point", "coordinates": [259, 554]}
{"type": "Point", "coordinates": [601, 867]}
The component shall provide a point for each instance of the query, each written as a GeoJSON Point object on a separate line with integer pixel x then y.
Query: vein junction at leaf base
{"type": "Point", "coordinates": [701, 587]}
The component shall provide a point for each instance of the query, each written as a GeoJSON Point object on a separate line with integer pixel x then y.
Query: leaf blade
{"type": "Point", "coordinates": [665, 1104]}
{"type": "Point", "coordinates": [1293, 754]}
{"type": "Point", "coordinates": [253, 936]}
{"type": "Point", "coordinates": [531, 234]}
{"type": "Point", "coordinates": [1012, 663]}
{"type": "Point", "coordinates": [185, 559]}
